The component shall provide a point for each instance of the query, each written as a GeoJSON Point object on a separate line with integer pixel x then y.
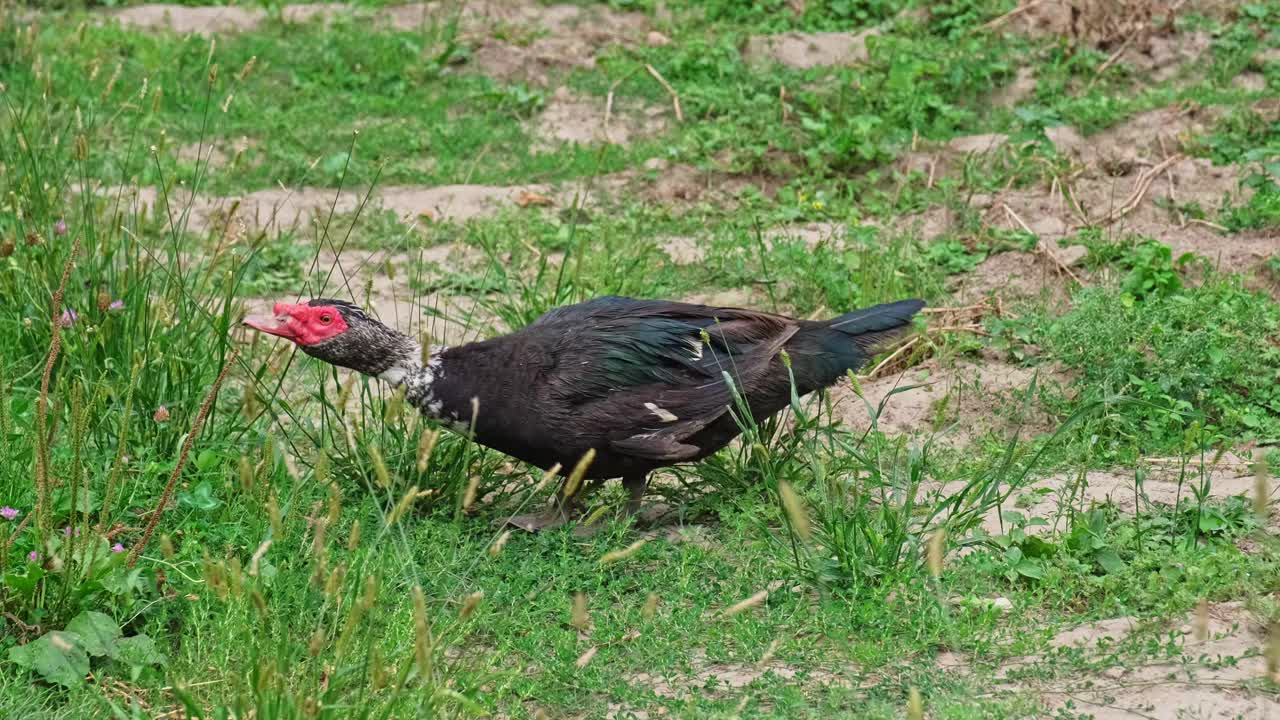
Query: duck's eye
{"type": "Point", "coordinates": [326, 319]}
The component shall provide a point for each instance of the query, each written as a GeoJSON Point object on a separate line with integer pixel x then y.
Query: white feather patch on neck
{"type": "Point", "coordinates": [396, 374]}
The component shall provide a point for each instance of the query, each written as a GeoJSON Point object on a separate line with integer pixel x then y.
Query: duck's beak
{"type": "Point", "coordinates": [270, 324]}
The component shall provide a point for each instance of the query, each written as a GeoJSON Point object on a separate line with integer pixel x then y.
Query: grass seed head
{"type": "Point", "coordinates": [370, 591]}
{"type": "Point", "coordinates": [915, 704]}
{"type": "Point", "coordinates": [578, 616]}
{"type": "Point", "coordinates": [744, 605]}
{"type": "Point", "coordinates": [317, 643]}
{"type": "Point", "coordinates": [1201, 624]}
{"type": "Point", "coordinates": [470, 603]}
{"type": "Point", "coordinates": [379, 467]}
{"type": "Point", "coordinates": [500, 543]}
{"type": "Point", "coordinates": [1261, 491]}
{"type": "Point", "coordinates": [248, 68]}
{"type": "Point", "coordinates": [421, 633]}
{"type": "Point", "coordinates": [166, 547]}
{"type": "Point", "coordinates": [650, 606]}
{"type": "Point", "coordinates": [936, 551]}
{"type": "Point", "coordinates": [273, 513]}
{"type": "Point", "coordinates": [469, 497]}
{"type": "Point", "coordinates": [794, 506]}
{"type": "Point", "coordinates": [334, 582]}
{"type": "Point", "coordinates": [403, 506]}
{"type": "Point", "coordinates": [624, 553]}
{"type": "Point", "coordinates": [575, 478]}
{"type": "Point", "coordinates": [246, 472]}
{"type": "Point", "coordinates": [426, 444]}
{"type": "Point", "coordinates": [1273, 653]}
{"type": "Point", "coordinates": [260, 603]}
{"type": "Point", "coordinates": [335, 505]}
{"type": "Point", "coordinates": [353, 540]}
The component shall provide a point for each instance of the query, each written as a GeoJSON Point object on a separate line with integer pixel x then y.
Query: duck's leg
{"type": "Point", "coordinates": [560, 511]}
{"type": "Point", "coordinates": [635, 485]}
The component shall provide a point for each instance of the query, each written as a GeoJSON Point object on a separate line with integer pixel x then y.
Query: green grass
{"type": "Point", "coordinates": [314, 561]}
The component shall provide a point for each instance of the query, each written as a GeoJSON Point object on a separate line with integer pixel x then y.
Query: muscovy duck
{"type": "Point", "coordinates": [640, 382]}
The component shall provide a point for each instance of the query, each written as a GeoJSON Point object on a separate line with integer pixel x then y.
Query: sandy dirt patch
{"type": "Point", "coordinates": [285, 208]}
{"type": "Point", "coordinates": [809, 50]}
{"type": "Point", "coordinates": [510, 40]}
{"type": "Point", "coordinates": [528, 42]}
{"type": "Point", "coordinates": [1057, 497]}
{"type": "Point", "coordinates": [570, 118]}
{"type": "Point", "coordinates": [951, 404]}
{"type": "Point", "coordinates": [1012, 277]}
{"type": "Point", "coordinates": [1206, 679]}
{"type": "Point", "coordinates": [1140, 33]}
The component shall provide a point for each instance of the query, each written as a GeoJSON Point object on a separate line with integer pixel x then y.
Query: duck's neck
{"type": "Point", "coordinates": [417, 372]}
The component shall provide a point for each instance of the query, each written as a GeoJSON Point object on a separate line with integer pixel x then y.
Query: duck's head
{"type": "Point", "coordinates": [341, 333]}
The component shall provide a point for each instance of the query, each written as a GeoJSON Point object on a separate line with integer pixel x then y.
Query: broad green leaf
{"type": "Point", "coordinates": [25, 583]}
{"type": "Point", "coordinates": [56, 656]}
{"type": "Point", "coordinates": [140, 650]}
{"type": "Point", "coordinates": [1034, 547]}
{"type": "Point", "coordinates": [122, 580]}
{"type": "Point", "coordinates": [1109, 560]}
{"type": "Point", "coordinates": [1029, 568]}
{"type": "Point", "coordinates": [98, 633]}
{"type": "Point", "coordinates": [200, 498]}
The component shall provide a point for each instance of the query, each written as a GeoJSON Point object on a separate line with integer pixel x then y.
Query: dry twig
{"type": "Point", "coordinates": [675, 97]}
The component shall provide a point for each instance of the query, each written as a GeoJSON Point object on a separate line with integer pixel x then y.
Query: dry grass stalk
{"type": "Point", "coordinates": [744, 605]}
{"type": "Point", "coordinates": [675, 97]}
{"type": "Point", "coordinates": [1041, 248]}
{"type": "Point", "coordinates": [1140, 188]}
{"type": "Point", "coordinates": [42, 403]}
{"type": "Point", "coordinates": [167, 494]}
{"type": "Point", "coordinates": [585, 658]}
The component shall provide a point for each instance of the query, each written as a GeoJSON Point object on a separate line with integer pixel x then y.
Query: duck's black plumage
{"type": "Point", "coordinates": [643, 383]}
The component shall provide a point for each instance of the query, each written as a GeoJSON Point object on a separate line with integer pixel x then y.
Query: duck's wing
{"type": "Point", "coordinates": [652, 373]}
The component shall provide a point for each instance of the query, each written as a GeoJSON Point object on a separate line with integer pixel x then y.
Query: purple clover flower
{"type": "Point", "coordinates": [60, 227]}
{"type": "Point", "coordinates": [8, 513]}
{"type": "Point", "coordinates": [117, 548]}
{"type": "Point", "coordinates": [116, 305]}
{"type": "Point", "coordinates": [69, 317]}
{"type": "Point", "coordinates": [33, 556]}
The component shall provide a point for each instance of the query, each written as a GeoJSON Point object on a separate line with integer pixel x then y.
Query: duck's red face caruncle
{"type": "Point", "coordinates": [303, 324]}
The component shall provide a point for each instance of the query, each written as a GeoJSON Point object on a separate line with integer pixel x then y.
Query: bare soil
{"type": "Point", "coordinates": [948, 404]}
{"type": "Point", "coordinates": [570, 118]}
{"type": "Point", "coordinates": [808, 50]}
